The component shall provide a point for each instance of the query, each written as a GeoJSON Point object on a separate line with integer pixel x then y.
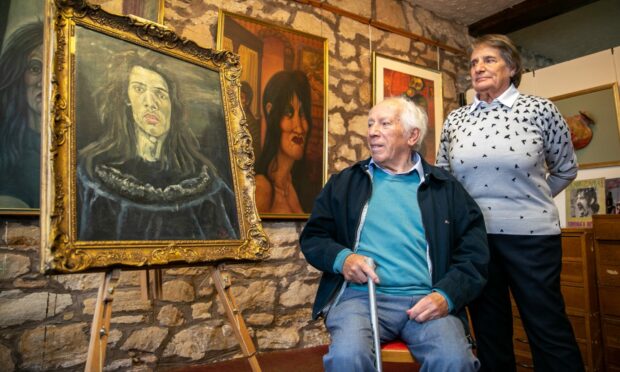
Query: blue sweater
{"type": "Point", "coordinates": [393, 235]}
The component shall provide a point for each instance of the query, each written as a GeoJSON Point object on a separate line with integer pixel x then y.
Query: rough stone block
{"type": "Point", "coordinates": [178, 291]}
{"type": "Point", "coordinates": [17, 308]}
{"type": "Point", "coordinates": [13, 265]}
{"type": "Point", "coordinates": [170, 315]}
{"type": "Point", "coordinates": [147, 339]}
{"type": "Point", "coordinates": [194, 342]}
{"type": "Point", "coordinates": [64, 346]}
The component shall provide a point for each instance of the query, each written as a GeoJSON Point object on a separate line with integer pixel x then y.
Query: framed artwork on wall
{"type": "Point", "coordinates": [612, 195]}
{"type": "Point", "coordinates": [149, 164]}
{"type": "Point", "coordinates": [284, 87]}
{"type": "Point", "coordinates": [21, 97]}
{"type": "Point", "coordinates": [584, 198]}
{"type": "Point", "coordinates": [152, 10]}
{"type": "Point", "coordinates": [593, 116]}
{"type": "Point", "coordinates": [393, 77]}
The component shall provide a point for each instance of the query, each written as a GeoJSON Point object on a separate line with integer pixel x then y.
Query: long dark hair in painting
{"type": "Point", "coordinates": [145, 177]}
{"type": "Point", "coordinates": [284, 88]}
{"type": "Point", "coordinates": [180, 151]}
{"type": "Point", "coordinates": [20, 114]}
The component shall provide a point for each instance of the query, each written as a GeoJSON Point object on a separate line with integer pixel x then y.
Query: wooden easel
{"type": "Point", "coordinates": [151, 285]}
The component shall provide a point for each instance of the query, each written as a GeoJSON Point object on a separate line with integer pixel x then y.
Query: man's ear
{"type": "Point", "coordinates": [413, 137]}
{"type": "Point", "coordinates": [268, 107]}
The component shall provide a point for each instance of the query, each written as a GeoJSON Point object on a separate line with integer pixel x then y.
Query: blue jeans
{"type": "Point", "coordinates": [438, 345]}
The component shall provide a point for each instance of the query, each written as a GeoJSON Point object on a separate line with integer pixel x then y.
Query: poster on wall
{"type": "Point", "coordinates": [21, 96]}
{"type": "Point", "coordinates": [148, 162]}
{"type": "Point", "coordinates": [283, 93]}
{"type": "Point", "coordinates": [393, 77]}
{"type": "Point", "coordinates": [593, 117]}
{"type": "Point", "coordinates": [584, 198]}
{"type": "Point", "coordinates": [612, 195]}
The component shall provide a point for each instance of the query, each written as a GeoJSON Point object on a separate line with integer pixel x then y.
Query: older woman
{"type": "Point", "coordinates": [513, 153]}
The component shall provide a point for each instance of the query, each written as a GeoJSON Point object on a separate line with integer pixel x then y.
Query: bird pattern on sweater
{"type": "Point", "coordinates": [502, 155]}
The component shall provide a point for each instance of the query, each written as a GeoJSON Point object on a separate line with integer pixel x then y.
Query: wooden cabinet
{"type": "Point", "coordinates": [578, 285]}
{"type": "Point", "coordinates": [607, 248]}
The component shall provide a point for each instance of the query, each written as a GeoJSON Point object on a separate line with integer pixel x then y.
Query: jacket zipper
{"type": "Point", "coordinates": [331, 303]}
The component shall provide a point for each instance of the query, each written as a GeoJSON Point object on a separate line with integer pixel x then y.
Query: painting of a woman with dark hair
{"type": "Point", "coordinates": [280, 168]}
{"type": "Point", "coordinates": [21, 66]}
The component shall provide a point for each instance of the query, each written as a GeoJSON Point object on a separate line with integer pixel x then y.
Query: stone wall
{"type": "Point", "coordinates": [45, 320]}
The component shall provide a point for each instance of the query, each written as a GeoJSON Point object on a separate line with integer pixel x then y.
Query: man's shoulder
{"type": "Point", "coordinates": [437, 172]}
{"type": "Point", "coordinates": [355, 168]}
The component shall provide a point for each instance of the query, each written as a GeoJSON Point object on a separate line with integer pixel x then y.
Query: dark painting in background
{"type": "Point", "coordinates": [612, 195]}
{"type": "Point", "coordinates": [193, 94]}
{"type": "Point", "coordinates": [281, 67]}
{"type": "Point", "coordinates": [152, 10]}
{"type": "Point", "coordinates": [21, 66]}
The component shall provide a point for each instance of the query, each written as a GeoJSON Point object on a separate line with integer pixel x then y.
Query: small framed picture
{"type": "Point", "coordinates": [393, 77]}
{"type": "Point", "coordinates": [584, 198]}
{"type": "Point", "coordinates": [612, 195]}
{"type": "Point", "coordinates": [593, 117]}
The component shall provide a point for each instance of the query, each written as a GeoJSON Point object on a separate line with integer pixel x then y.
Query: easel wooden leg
{"type": "Point", "coordinates": [151, 284]}
{"type": "Point", "coordinates": [222, 284]}
{"type": "Point", "coordinates": [100, 328]}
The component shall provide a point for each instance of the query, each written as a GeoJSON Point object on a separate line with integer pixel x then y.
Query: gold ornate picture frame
{"type": "Point", "coordinates": [284, 79]}
{"type": "Point", "coordinates": [149, 158]}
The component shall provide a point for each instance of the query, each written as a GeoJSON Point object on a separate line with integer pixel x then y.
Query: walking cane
{"type": "Point", "coordinates": [374, 320]}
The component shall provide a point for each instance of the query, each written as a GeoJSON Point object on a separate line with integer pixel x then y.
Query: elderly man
{"type": "Point", "coordinates": [426, 236]}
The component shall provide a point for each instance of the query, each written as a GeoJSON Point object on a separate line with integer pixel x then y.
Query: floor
{"type": "Point", "coordinates": [298, 360]}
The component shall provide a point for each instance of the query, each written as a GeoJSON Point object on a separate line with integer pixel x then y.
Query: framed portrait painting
{"type": "Point", "coordinates": [593, 117]}
{"type": "Point", "coordinates": [283, 90]}
{"type": "Point", "coordinates": [584, 198]}
{"type": "Point", "coordinates": [149, 163]}
{"type": "Point", "coordinates": [21, 97]}
{"type": "Point", "coordinates": [152, 10]}
{"type": "Point", "coordinates": [393, 77]}
{"type": "Point", "coordinates": [612, 195]}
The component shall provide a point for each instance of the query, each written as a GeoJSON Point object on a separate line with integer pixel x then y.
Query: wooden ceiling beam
{"type": "Point", "coordinates": [522, 15]}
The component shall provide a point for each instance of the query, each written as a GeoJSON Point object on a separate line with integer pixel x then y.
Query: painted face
{"type": "Point", "coordinates": [490, 74]}
{"type": "Point", "coordinates": [150, 101]}
{"type": "Point", "coordinates": [389, 146]}
{"type": "Point", "coordinates": [583, 205]}
{"type": "Point", "coordinates": [32, 78]}
{"type": "Point", "coordinates": [294, 127]}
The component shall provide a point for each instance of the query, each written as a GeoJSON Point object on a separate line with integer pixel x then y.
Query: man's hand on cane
{"type": "Point", "coordinates": [356, 269]}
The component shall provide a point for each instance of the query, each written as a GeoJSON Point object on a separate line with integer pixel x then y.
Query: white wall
{"type": "Point", "coordinates": [578, 74]}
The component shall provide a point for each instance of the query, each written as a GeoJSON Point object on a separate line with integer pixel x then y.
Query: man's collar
{"type": "Point", "coordinates": [508, 98]}
{"type": "Point", "coordinates": [417, 166]}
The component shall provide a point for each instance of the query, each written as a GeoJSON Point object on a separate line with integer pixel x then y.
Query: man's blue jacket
{"type": "Point", "coordinates": [453, 224]}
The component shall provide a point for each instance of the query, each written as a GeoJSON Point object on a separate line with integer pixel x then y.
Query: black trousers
{"type": "Point", "coordinates": [530, 267]}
